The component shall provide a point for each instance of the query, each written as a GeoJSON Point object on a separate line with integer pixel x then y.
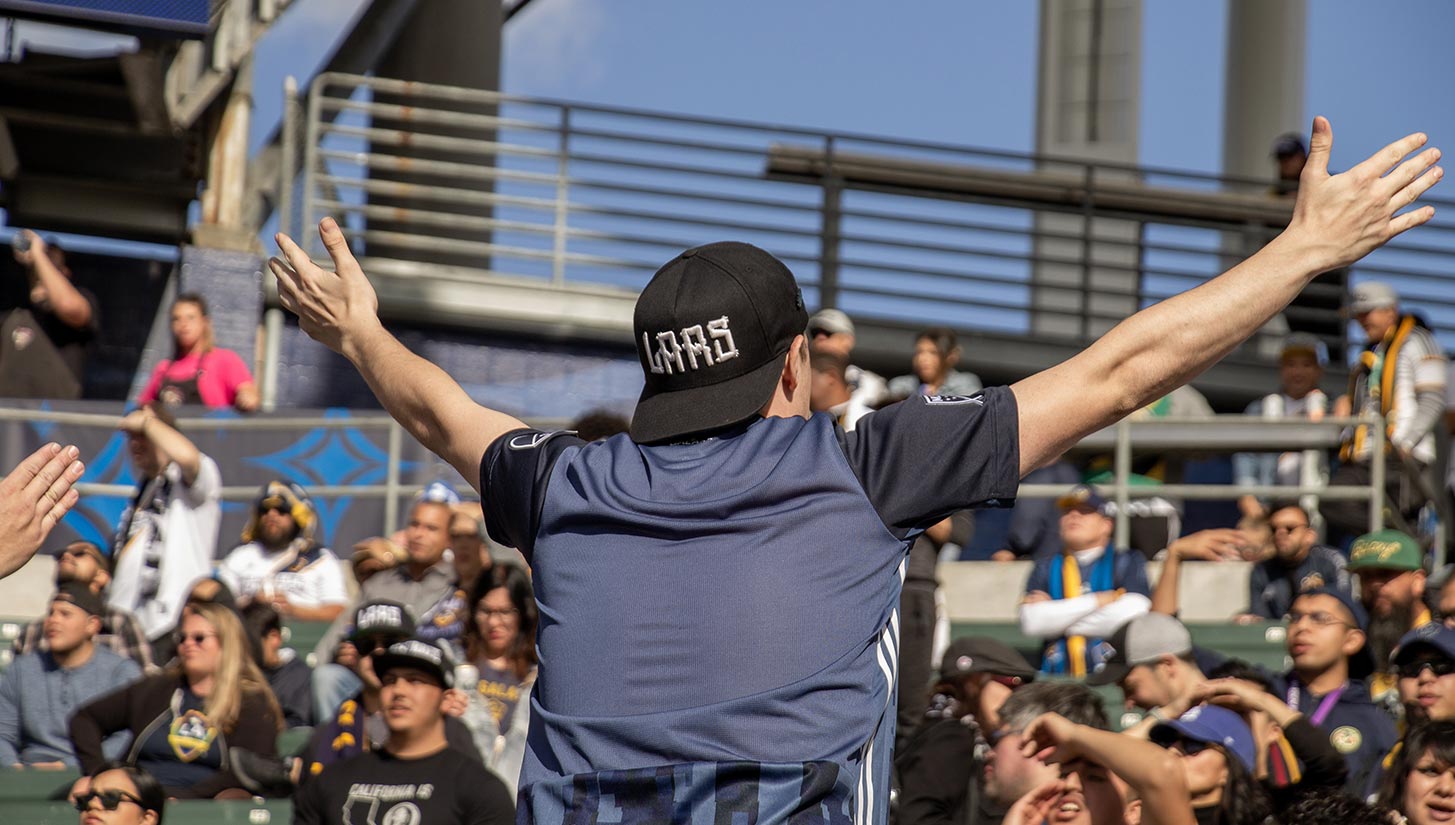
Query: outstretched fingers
{"type": "Point", "coordinates": [53, 479]}
{"type": "Point", "coordinates": [1377, 164]}
{"type": "Point", "coordinates": [1409, 220]}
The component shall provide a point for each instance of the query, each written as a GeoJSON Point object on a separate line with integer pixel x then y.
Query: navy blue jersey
{"type": "Point", "coordinates": [1361, 731]}
{"type": "Point", "coordinates": [1272, 586]}
{"type": "Point", "coordinates": [719, 626]}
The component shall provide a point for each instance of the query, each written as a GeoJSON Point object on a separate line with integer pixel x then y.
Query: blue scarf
{"type": "Point", "coordinates": [1057, 659]}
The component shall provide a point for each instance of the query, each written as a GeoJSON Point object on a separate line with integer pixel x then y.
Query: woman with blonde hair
{"type": "Point", "coordinates": [199, 372]}
{"type": "Point", "coordinates": [185, 721]}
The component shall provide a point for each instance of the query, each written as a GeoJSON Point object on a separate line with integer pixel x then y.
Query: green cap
{"type": "Point", "coordinates": [1385, 550]}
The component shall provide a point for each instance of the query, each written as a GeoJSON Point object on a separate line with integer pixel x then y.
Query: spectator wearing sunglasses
{"type": "Point", "coordinates": [939, 766]}
{"type": "Point", "coordinates": [1425, 665]}
{"type": "Point", "coordinates": [119, 794]}
{"type": "Point", "coordinates": [186, 721]}
{"type": "Point", "coordinates": [282, 561]}
{"type": "Point", "coordinates": [1327, 643]}
{"type": "Point", "coordinates": [39, 691]}
{"type": "Point", "coordinates": [1217, 753]}
{"type": "Point", "coordinates": [83, 562]}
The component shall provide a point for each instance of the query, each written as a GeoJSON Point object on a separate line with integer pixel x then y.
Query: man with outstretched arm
{"type": "Point", "coordinates": [717, 532]}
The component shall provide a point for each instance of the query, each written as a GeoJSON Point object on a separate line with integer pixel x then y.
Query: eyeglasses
{"type": "Point", "coordinates": [1288, 528]}
{"type": "Point", "coordinates": [496, 614]}
{"type": "Point", "coordinates": [110, 800]}
{"type": "Point", "coordinates": [1439, 667]}
{"type": "Point", "coordinates": [1319, 617]}
{"type": "Point", "coordinates": [195, 638]}
{"type": "Point", "coordinates": [76, 553]}
{"type": "Point", "coordinates": [280, 507]}
{"type": "Point", "coordinates": [996, 737]}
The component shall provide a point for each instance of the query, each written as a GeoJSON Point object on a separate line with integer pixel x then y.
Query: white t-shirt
{"type": "Point", "coordinates": [169, 537]}
{"type": "Point", "coordinates": [312, 579]}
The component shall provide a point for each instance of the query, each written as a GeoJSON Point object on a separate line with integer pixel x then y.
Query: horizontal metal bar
{"type": "Point", "coordinates": [438, 244]}
{"type": "Point", "coordinates": [460, 145]}
{"type": "Point", "coordinates": [441, 117]}
{"type": "Point", "coordinates": [238, 423]}
{"type": "Point", "coordinates": [1210, 492]}
{"type": "Point", "coordinates": [437, 167]}
{"type": "Point", "coordinates": [437, 193]}
{"type": "Point", "coordinates": [683, 194]}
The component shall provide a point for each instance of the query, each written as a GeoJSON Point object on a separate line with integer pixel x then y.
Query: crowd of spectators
{"type": "Point", "coordinates": [161, 668]}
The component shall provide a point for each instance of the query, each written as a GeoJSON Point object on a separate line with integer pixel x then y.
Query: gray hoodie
{"type": "Point", "coordinates": [38, 696]}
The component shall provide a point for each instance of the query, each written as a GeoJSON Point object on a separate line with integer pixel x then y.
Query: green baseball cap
{"type": "Point", "coordinates": [1385, 550]}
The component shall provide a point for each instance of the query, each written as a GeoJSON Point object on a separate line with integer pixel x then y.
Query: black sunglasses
{"type": "Point", "coordinates": [1189, 747]}
{"type": "Point", "coordinates": [1439, 667]}
{"type": "Point", "coordinates": [280, 507]}
{"type": "Point", "coordinates": [110, 800]}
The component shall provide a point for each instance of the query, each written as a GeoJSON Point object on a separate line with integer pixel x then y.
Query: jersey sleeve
{"type": "Point", "coordinates": [926, 457]}
{"type": "Point", "coordinates": [514, 474]}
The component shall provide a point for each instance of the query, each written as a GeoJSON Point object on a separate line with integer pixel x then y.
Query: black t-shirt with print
{"type": "Point", "coordinates": [376, 788]}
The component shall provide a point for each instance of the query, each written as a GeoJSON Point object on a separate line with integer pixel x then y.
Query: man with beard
{"type": "Point", "coordinates": [1299, 563]}
{"type": "Point", "coordinates": [83, 562]}
{"type": "Point", "coordinates": [1425, 665]}
{"type": "Point", "coordinates": [281, 563]}
{"type": "Point", "coordinates": [1391, 573]}
{"type": "Point", "coordinates": [1327, 643]}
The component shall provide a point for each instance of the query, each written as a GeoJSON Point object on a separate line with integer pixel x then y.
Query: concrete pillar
{"type": "Point", "coordinates": [1263, 95]}
{"type": "Point", "coordinates": [1087, 107]}
{"type": "Point", "coordinates": [451, 43]}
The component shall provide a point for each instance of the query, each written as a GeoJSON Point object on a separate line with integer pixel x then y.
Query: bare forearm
{"type": "Point", "coordinates": [1153, 772]}
{"type": "Point", "coordinates": [1157, 350]}
{"type": "Point", "coordinates": [1166, 345]}
{"type": "Point", "coordinates": [425, 400]}
{"type": "Point", "coordinates": [177, 447]}
{"type": "Point", "coordinates": [1166, 594]}
{"type": "Point", "coordinates": [65, 300]}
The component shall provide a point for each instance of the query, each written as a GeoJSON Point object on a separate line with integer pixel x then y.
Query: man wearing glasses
{"type": "Point", "coordinates": [1425, 665]}
{"type": "Point", "coordinates": [1328, 645]}
{"type": "Point", "coordinates": [1299, 563]}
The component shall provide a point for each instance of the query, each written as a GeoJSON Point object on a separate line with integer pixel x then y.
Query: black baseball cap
{"type": "Point", "coordinates": [421, 655]}
{"type": "Point", "coordinates": [381, 618]}
{"type": "Point", "coordinates": [711, 329]}
{"type": "Point", "coordinates": [81, 596]}
{"type": "Point", "coordinates": [982, 654]}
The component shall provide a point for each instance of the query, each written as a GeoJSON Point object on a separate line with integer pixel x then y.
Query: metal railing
{"type": "Point", "coordinates": [458, 185]}
{"type": "Point", "coordinates": [1218, 435]}
{"type": "Point", "coordinates": [68, 425]}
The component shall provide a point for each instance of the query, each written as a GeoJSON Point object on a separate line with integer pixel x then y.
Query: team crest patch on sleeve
{"type": "Point", "coordinates": [954, 399]}
{"type": "Point", "coordinates": [528, 441]}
